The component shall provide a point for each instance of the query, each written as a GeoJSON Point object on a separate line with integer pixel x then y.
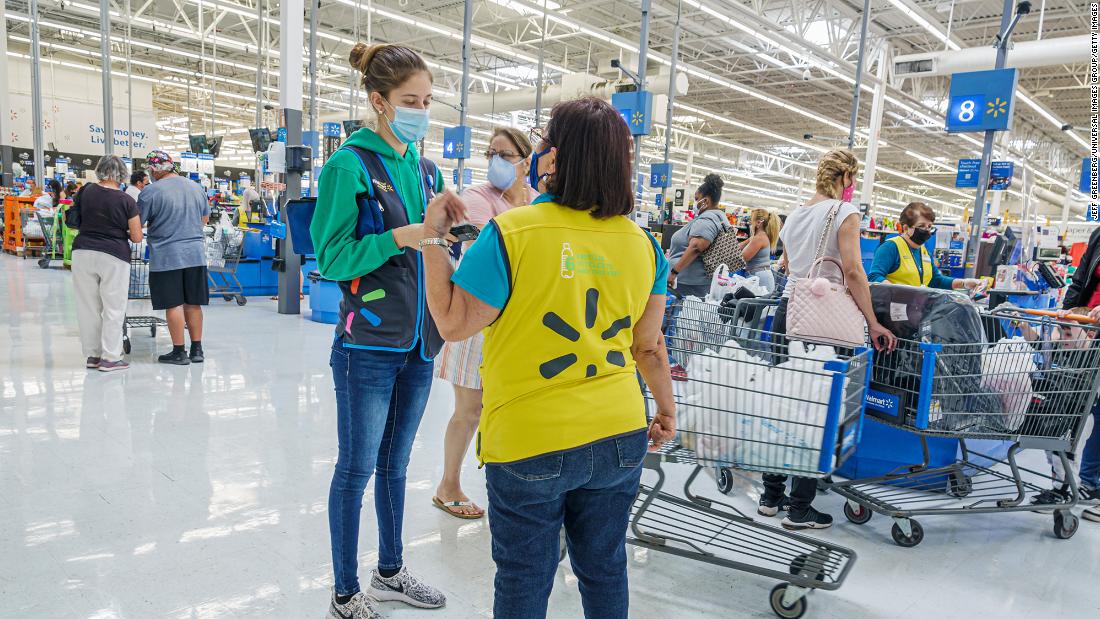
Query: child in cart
{"type": "Point", "coordinates": [1076, 353]}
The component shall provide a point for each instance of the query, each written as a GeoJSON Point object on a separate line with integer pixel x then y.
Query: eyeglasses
{"type": "Point", "coordinates": [930, 229]}
{"type": "Point", "coordinates": [537, 136]}
{"type": "Point", "coordinates": [507, 155]}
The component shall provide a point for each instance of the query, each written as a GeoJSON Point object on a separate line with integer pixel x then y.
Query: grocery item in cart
{"type": "Point", "coordinates": [1007, 367]}
{"type": "Point", "coordinates": [741, 411]}
{"type": "Point", "coordinates": [927, 315]}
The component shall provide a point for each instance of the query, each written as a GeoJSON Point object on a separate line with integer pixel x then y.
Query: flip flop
{"type": "Point", "coordinates": [449, 504]}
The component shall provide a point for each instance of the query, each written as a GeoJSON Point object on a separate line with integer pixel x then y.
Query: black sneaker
{"type": "Point", "coordinates": [175, 358]}
{"type": "Point", "coordinates": [1091, 513]}
{"type": "Point", "coordinates": [196, 355]}
{"type": "Point", "coordinates": [1089, 495]}
{"type": "Point", "coordinates": [1052, 497]}
{"type": "Point", "coordinates": [770, 506]}
{"type": "Point", "coordinates": [810, 518]}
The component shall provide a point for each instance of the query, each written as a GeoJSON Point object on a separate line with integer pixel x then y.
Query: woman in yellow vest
{"type": "Point", "coordinates": [574, 292]}
{"type": "Point", "coordinates": [905, 260]}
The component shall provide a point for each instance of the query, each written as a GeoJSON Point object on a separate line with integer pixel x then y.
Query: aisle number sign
{"type": "Point", "coordinates": [636, 109]}
{"type": "Point", "coordinates": [1085, 185]}
{"type": "Point", "coordinates": [457, 142]}
{"type": "Point", "coordinates": [981, 100]}
{"type": "Point", "coordinates": [660, 175]}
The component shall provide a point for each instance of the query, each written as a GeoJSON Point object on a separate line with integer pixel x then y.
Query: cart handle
{"type": "Point", "coordinates": [1050, 314]}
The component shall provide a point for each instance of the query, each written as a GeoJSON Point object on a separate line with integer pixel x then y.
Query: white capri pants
{"type": "Point", "coordinates": [101, 282]}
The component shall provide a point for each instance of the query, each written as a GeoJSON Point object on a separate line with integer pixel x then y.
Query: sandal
{"type": "Point", "coordinates": [449, 505]}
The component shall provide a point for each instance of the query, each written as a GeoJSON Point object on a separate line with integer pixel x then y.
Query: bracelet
{"type": "Point", "coordinates": [434, 241]}
{"type": "Point", "coordinates": [675, 272]}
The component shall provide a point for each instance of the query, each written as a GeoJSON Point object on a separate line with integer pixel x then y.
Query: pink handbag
{"type": "Point", "coordinates": [822, 311]}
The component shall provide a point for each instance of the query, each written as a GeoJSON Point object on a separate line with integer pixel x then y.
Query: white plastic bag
{"type": "Point", "coordinates": [738, 410]}
{"type": "Point", "coordinates": [1006, 372]}
{"type": "Point", "coordinates": [723, 283]}
{"type": "Point", "coordinates": [32, 230]}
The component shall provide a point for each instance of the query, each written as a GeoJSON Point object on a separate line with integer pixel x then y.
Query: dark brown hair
{"type": "Point", "coordinates": [516, 137]}
{"type": "Point", "coordinates": [711, 188]}
{"type": "Point", "coordinates": [593, 159]}
{"type": "Point", "coordinates": [385, 67]}
{"type": "Point", "coordinates": [913, 210]}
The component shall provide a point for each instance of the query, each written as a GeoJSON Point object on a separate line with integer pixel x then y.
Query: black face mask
{"type": "Point", "coordinates": [920, 236]}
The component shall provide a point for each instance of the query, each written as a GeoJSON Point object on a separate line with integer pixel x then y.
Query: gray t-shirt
{"type": "Point", "coordinates": [173, 208]}
{"type": "Point", "coordinates": [705, 226]}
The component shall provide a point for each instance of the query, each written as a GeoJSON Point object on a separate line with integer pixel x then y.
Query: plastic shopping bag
{"type": "Point", "coordinates": [723, 282]}
{"type": "Point", "coordinates": [1006, 372]}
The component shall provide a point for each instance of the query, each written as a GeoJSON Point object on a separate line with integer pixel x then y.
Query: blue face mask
{"type": "Point", "coordinates": [409, 124]}
{"type": "Point", "coordinates": [533, 176]}
{"type": "Point", "coordinates": [501, 173]}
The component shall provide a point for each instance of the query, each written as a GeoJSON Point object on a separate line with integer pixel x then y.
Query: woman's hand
{"type": "Point", "coordinates": [662, 430]}
{"type": "Point", "coordinates": [444, 211]}
{"type": "Point", "coordinates": [410, 236]}
{"type": "Point", "coordinates": [881, 337]}
{"type": "Point", "coordinates": [671, 280]}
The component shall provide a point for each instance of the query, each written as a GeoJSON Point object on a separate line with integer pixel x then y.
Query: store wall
{"type": "Point", "coordinates": [72, 110]}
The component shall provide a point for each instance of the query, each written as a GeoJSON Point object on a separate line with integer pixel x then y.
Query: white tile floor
{"type": "Point", "coordinates": [201, 492]}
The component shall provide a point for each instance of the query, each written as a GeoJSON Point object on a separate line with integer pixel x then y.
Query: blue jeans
{"type": "Point", "coordinates": [1090, 456]}
{"type": "Point", "coordinates": [590, 490]}
{"type": "Point", "coordinates": [380, 398]}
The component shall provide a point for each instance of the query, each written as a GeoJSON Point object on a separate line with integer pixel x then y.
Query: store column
{"type": "Point", "coordinates": [871, 159]}
{"type": "Point", "coordinates": [290, 100]}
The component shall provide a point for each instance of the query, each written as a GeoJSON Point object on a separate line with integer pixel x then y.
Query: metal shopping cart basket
{"type": "Point", "coordinates": [223, 253]}
{"type": "Point", "coordinates": [731, 415]}
{"type": "Point", "coordinates": [52, 248]}
{"type": "Point", "coordinates": [139, 289]}
{"type": "Point", "coordinates": [1035, 392]}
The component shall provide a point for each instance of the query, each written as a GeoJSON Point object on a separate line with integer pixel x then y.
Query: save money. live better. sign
{"type": "Point", "coordinates": [121, 138]}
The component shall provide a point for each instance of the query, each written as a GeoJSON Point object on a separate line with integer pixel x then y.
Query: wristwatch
{"type": "Point", "coordinates": [434, 241]}
{"type": "Point", "coordinates": [674, 271]}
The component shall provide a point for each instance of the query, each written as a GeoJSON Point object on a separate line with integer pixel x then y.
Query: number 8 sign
{"type": "Point", "coordinates": [966, 111]}
{"type": "Point", "coordinates": [981, 100]}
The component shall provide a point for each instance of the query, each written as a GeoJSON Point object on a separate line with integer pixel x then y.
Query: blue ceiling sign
{"type": "Point", "coordinates": [981, 100]}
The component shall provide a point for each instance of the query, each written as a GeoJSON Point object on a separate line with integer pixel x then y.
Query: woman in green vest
{"type": "Point", "coordinates": [904, 259]}
{"type": "Point", "coordinates": [574, 292]}
{"type": "Point", "coordinates": [372, 194]}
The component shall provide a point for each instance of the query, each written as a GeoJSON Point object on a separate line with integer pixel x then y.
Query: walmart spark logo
{"type": "Point", "coordinates": [637, 119]}
{"type": "Point", "coordinates": [369, 316]}
{"type": "Point", "coordinates": [555, 323]}
{"type": "Point", "coordinates": [996, 107]}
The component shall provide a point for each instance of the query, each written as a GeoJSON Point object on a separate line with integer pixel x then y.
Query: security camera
{"type": "Point", "coordinates": [1023, 8]}
{"type": "Point", "coordinates": [1067, 127]}
{"type": "Point", "coordinates": [806, 75]}
{"type": "Point", "coordinates": [614, 63]}
{"type": "Point", "coordinates": [807, 136]}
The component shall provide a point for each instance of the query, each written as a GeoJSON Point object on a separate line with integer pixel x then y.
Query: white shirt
{"type": "Point", "coordinates": [133, 192]}
{"type": "Point", "coordinates": [801, 233]}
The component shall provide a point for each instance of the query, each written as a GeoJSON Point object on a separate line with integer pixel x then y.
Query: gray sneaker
{"type": "Point", "coordinates": [360, 606]}
{"type": "Point", "coordinates": [113, 366]}
{"type": "Point", "coordinates": [1091, 513]}
{"type": "Point", "coordinates": [404, 587]}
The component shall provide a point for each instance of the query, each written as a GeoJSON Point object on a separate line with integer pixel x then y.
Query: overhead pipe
{"type": "Point", "coordinates": [526, 98]}
{"type": "Point", "coordinates": [1025, 54]}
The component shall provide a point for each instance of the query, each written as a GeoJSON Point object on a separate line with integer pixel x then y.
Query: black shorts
{"type": "Point", "coordinates": [170, 289]}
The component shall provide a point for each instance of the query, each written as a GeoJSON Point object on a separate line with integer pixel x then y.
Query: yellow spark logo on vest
{"type": "Point", "coordinates": [558, 325]}
{"type": "Point", "coordinates": [382, 185]}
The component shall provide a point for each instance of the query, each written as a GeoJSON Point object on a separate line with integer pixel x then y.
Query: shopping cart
{"type": "Point", "coordinates": [139, 289]}
{"type": "Point", "coordinates": [223, 253]}
{"type": "Point", "coordinates": [53, 247]}
{"type": "Point", "coordinates": [731, 417]}
{"type": "Point", "coordinates": [1035, 393]}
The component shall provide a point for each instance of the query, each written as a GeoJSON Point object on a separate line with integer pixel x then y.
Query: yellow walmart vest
{"type": "Point", "coordinates": [557, 369]}
{"type": "Point", "coordinates": [907, 272]}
